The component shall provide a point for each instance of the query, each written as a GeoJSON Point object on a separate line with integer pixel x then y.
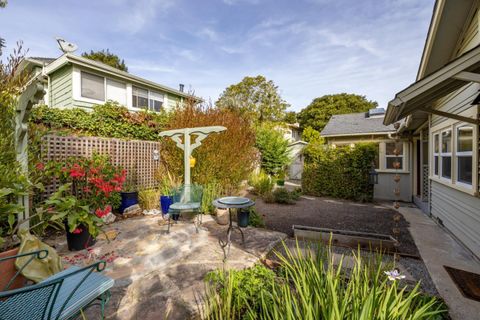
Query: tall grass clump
{"type": "Point", "coordinates": [261, 182]}
{"type": "Point", "coordinates": [316, 284]}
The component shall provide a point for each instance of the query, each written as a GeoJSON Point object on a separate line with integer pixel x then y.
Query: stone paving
{"type": "Point", "coordinates": [158, 274]}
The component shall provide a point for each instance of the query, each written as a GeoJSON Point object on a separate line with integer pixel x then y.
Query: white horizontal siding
{"type": "Point", "coordinates": [459, 213]}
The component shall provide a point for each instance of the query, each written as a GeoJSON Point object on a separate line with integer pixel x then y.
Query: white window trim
{"type": "Point", "coordinates": [384, 156]}
{"type": "Point", "coordinates": [82, 98]}
{"type": "Point", "coordinates": [436, 154]}
{"type": "Point", "coordinates": [453, 183]}
{"type": "Point", "coordinates": [149, 97]}
{"type": "Point", "coordinates": [464, 153]}
{"type": "Point", "coordinates": [446, 154]}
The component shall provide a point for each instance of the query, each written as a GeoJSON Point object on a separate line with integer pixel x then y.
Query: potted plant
{"type": "Point", "coordinates": [89, 187]}
{"type": "Point", "coordinates": [281, 179]}
{"type": "Point", "coordinates": [129, 194]}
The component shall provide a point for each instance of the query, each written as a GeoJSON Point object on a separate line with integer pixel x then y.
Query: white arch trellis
{"type": "Point", "coordinates": [31, 96]}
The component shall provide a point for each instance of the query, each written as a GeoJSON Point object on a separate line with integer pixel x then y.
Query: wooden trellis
{"type": "Point", "coordinates": [134, 155]}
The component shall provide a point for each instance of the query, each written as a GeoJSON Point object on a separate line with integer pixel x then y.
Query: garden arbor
{"type": "Point", "coordinates": [31, 96]}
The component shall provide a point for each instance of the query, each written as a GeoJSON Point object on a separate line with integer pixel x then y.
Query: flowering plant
{"type": "Point", "coordinates": [90, 187]}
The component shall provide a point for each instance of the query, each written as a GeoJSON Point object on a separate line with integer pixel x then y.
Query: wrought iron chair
{"type": "Point", "coordinates": [61, 296]}
{"type": "Point", "coordinates": [186, 199]}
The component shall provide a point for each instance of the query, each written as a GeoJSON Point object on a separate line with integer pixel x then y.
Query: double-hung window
{"type": "Point", "coordinates": [155, 101]}
{"type": "Point", "coordinates": [436, 157]}
{"type": "Point", "coordinates": [446, 154]}
{"type": "Point", "coordinates": [92, 86]}
{"type": "Point", "coordinates": [392, 160]}
{"type": "Point", "coordinates": [139, 98]}
{"type": "Point", "coordinates": [464, 154]}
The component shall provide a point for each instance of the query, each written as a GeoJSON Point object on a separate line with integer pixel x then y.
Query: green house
{"type": "Point", "coordinates": [75, 81]}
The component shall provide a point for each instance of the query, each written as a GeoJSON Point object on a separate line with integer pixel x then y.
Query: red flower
{"type": "Point", "coordinates": [77, 231]}
{"type": "Point", "coordinates": [102, 213]}
{"type": "Point", "coordinates": [40, 166]}
{"type": "Point", "coordinates": [76, 171]}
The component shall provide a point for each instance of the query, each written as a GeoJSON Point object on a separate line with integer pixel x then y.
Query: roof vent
{"type": "Point", "coordinates": [376, 113]}
{"type": "Point", "coordinates": [181, 87]}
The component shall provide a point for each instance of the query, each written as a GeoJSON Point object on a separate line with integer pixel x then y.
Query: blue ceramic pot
{"type": "Point", "coordinates": [128, 199]}
{"type": "Point", "coordinates": [165, 202]}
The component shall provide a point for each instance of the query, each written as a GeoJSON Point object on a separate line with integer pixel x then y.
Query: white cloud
{"type": "Point", "coordinates": [138, 14]}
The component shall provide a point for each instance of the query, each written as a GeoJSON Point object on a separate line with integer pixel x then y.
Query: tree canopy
{"type": "Point", "coordinates": [319, 111]}
{"type": "Point", "coordinates": [273, 147]}
{"type": "Point", "coordinates": [256, 98]}
{"type": "Point", "coordinates": [105, 56]}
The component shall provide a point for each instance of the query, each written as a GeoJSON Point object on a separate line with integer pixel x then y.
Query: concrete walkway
{"type": "Point", "coordinates": [159, 275]}
{"type": "Point", "coordinates": [439, 249]}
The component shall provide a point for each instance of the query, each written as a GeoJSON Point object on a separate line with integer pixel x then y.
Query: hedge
{"type": "Point", "coordinates": [341, 172]}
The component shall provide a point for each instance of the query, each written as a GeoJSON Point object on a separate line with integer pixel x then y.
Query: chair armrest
{"type": "Point", "coordinates": [39, 254]}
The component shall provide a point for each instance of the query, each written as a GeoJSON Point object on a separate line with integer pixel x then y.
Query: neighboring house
{"type": "Point", "coordinates": [74, 81]}
{"type": "Point", "coordinates": [353, 128]}
{"type": "Point", "coordinates": [440, 113]}
{"type": "Point", "coordinates": [293, 134]}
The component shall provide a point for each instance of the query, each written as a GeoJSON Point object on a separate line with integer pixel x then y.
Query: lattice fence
{"type": "Point", "coordinates": [133, 155]}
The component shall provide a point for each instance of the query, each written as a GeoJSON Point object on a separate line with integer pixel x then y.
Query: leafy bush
{"type": "Point", "coordinates": [242, 288]}
{"type": "Point", "coordinates": [282, 196]}
{"type": "Point", "coordinates": [226, 158]}
{"type": "Point", "coordinates": [261, 183]}
{"type": "Point", "coordinates": [314, 284]}
{"type": "Point", "coordinates": [273, 148]}
{"type": "Point", "coordinates": [341, 172]}
{"type": "Point", "coordinates": [211, 191]}
{"type": "Point", "coordinates": [255, 219]}
{"type": "Point", "coordinates": [108, 120]}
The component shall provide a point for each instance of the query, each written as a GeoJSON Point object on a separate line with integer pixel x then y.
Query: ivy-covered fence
{"type": "Point", "coordinates": [341, 172]}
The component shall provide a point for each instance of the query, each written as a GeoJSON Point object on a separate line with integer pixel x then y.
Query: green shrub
{"type": "Point", "coordinates": [242, 289]}
{"type": "Point", "coordinates": [314, 284]}
{"type": "Point", "coordinates": [273, 148]}
{"type": "Point", "coordinates": [261, 183]}
{"type": "Point", "coordinates": [211, 191]}
{"type": "Point", "coordinates": [341, 172]}
{"type": "Point", "coordinates": [283, 196]}
{"type": "Point", "coordinates": [255, 219]}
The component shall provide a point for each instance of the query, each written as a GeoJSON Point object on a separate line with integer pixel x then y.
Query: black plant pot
{"type": "Point", "coordinates": [243, 217]}
{"type": "Point", "coordinates": [128, 199]}
{"type": "Point", "coordinates": [79, 241]}
{"type": "Point", "coordinates": [175, 216]}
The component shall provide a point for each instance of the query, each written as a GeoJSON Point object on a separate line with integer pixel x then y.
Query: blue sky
{"type": "Point", "coordinates": [307, 47]}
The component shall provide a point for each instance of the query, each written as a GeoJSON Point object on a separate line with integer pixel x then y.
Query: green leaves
{"type": "Point", "coordinates": [108, 58]}
{"type": "Point", "coordinates": [273, 148]}
{"type": "Point", "coordinates": [255, 98]}
{"type": "Point", "coordinates": [317, 113]}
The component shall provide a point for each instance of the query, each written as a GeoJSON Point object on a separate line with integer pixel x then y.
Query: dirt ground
{"type": "Point", "coordinates": [335, 214]}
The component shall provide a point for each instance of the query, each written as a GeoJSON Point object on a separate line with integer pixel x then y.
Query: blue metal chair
{"type": "Point", "coordinates": [186, 199]}
{"type": "Point", "coordinates": [61, 296]}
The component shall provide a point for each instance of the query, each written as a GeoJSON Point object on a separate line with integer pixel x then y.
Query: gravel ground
{"type": "Point", "coordinates": [335, 214]}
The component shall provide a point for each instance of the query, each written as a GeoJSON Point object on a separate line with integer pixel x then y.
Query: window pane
{"type": "Point", "coordinates": [465, 169]}
{"type": "Point", "coordinates": [390, 148]}
{"type": "Point", "coordinates": [391, 162]}
{"type": "Point", "coordinates": [465, 139]}
{"type": "Point", "coordinates": [139, 98]}
{"type": "Point", "coordinates": [447, 167]}
{"type": "Point", "coordinates": [447, 141]}
{"type": "Point", "coordinates": [92, 86]}
{"type": "Point", "coordinates": [435, 164]}
{"type": "Point", "coordinates": [435, 143]}
{"type": "Point", "coordinates": [142, 103]}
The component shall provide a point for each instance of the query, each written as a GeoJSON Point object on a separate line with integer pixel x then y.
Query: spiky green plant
{"type": "Point", "coordinates": [315, 284]}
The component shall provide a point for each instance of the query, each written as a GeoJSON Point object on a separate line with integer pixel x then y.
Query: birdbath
{"type": "Point", "coordinates": [182, 137]}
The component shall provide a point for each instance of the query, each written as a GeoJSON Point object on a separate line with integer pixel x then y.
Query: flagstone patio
{"type": "Point", "coordinates": [158, 274]}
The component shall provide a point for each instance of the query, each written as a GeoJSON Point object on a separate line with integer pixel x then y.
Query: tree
{"type": "Point", "coordinates": [317, 113]}
{"type": "Point", "coordinates": [3, 4]}
{"type": "Point", "coordinates": [105, 56]}
{"type": "Point", "coordinates": [290, 117]}
{"type": "Point", "coordinates": [273, 148]}
{"type": "Point", "coordinates": [256, 98]}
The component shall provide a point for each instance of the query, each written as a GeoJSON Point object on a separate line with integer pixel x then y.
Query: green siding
{"type": "Point", "coordinates": [61, 88]}
{"type": "Point", "coordinates": [173, 101]}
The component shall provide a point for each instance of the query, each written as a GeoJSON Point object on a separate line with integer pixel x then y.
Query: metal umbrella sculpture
{"type": "Point", "coordinates": [183, 139]}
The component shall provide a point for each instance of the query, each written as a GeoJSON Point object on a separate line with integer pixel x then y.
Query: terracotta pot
{"type": "Point", "coordinates": [8, 270]}
{"type": "Point", "coordinates": [221, 216]}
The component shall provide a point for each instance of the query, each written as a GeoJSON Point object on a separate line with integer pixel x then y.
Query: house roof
{"type": "Point", "coordinates": [420, 95]}
{"type": "Point", "coordinates": [52, 64]}
{"type": "Point", "coordinates": [355, 124]}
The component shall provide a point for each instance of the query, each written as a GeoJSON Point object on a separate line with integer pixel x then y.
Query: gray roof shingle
{"type": "Point", "coordinates": [355, 123]}
{"type": "Point", "coordinates": [43, 59]}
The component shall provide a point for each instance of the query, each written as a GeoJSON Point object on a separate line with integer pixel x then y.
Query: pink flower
{"type": "Point", "coordinates": [77, 231]}
{"type": "Point", "coordinates": [40, 166]}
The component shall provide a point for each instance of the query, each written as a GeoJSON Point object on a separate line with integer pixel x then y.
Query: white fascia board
{"type": "Point", "coordinates": [356, 134]}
